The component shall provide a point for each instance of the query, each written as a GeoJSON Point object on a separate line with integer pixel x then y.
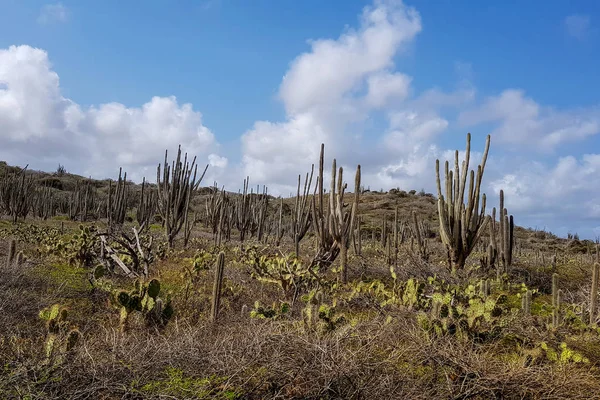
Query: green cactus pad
{"type": "Point", "coordinates": [153, 288]}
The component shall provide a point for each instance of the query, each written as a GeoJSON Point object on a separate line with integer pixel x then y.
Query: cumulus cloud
{"type": "Point", "coordinates": [53, 13]}
{"type": "Point", "coordinates": [329, 91]}
{"type": "Point", "coordinates": [562, 194]}
{"type": "Point", "coordinates": [578, 25]}
{"type": "Point", "coordinates": [37, 124]}
{"type": "Point", "coordinates": [520, 120]}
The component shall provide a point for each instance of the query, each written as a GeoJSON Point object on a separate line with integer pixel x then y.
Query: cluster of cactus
{"type": "Point", "coordinates": [478, 318]}
{"type": "Point", "coordinates": [79, 249]}
{"type": "Point", "coordinates": [83, 202]}
{"type": "Point", "coordinates": [461, 226]}
{"type": "Point", "coordinates": [419, 238]}
{"type": "Point", "coordinates": [322, 317]}
{"type": "Point", "coordinates": [44, 203]}
{"type": "Point", "coordinates": [563, 354]}
{"type": "Point", "coordinates": [247, 212]}
{"type": "Point", "coordinates": [146, 207]}
{"type": "Point", "coordinates": [143, 298]}
{"type": "Point", "coordinates": [116, 206]}
{"type": "Point", "coordinates": [500, 247]}
{"type": "Point", "coordinates": [287, 272]}
{"type": "Point", "coordinates": [218, 215]}
{"type": "Point", "coordinates": [301, 214]}
{"type": "Point", "coordinates": [16, 193]}
{"type": "Point", "coordinates": [33, 234]}
{"type": "Point", "coordinates": [61, 336]}
{"type": "Point", "coordinates": [334, 226]}
{"type": "Point", "coordinates": [176, 184]}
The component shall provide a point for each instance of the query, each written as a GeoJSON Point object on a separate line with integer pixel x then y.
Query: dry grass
{"type": "Point", "coordinates": [379, 352]}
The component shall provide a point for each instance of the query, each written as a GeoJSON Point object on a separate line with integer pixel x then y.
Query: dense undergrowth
{"type": "Point", "coordinates": [71, 329]}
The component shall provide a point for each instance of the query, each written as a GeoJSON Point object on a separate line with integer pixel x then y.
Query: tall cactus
{"type": "Point", "coordinates": [556, 297]}
{"type": "Point", "coordinates": [594, 293]}
{"type": "Point", "coordinates": [506, 234]}
{"type": "Point", "coordinates": [243, 216]}
{"type": "Point", "coordinates": [12, 249]}
{"type": "Point", "coordinates": [117, 200]}
{"type": "Point", "coordinates": [146, 206]}
{"type": "Point", "coordinates": [301, 215]}
{"type": "Point", "coordinates": [460, 226]}
{"type": "Point", "coordinates": [175, 186]}
{"type": "Point", "coordinates": [16, 193]}
{"type": "Point", "coordinates": [333, 226]}
{"type": "Point", "coordinates": [341, 224]}
{"type": "Point", "coordinates": [218, 284]}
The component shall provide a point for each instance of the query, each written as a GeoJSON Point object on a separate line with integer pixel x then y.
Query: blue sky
{"type": "Point", "coordinates": [524, 73]}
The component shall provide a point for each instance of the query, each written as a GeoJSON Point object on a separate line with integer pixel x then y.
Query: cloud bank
{"type": "Point", "coordinates": [345, 92]}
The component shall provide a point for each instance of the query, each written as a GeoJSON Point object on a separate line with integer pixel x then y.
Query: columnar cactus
{"type": "Point", "coordinates": [506, 235]}
{"type": "Point", "coordinates": [556, 297]}
{"type": "Point", "coordinates": [16, 193]}
{"type": "Point", "coordinates": [594, 293]}
{"type": "Point", "coordinates": [146, 206]}
{"type": "Point", "coordinates": [12, 248]}
{"type": "Point", "coordinates": [334, 227]}
{"type": "Point", "coordinates": [341, 224]}
{"type": "Point", "coordinates": [117, 200]}
{"type": "Point", "coordinates": [526, 302]}
{"type": "Point", "coordinates": [421, 241]}
{"type": "Point", "coordinates": [460, 225]}
{"type": "Point", "coordinates": [301, 215]}
{"type": "Point", "coordinates": [175, 187]}
{"type": "Point", "coordinates": [218, 284]}
{"type": "Point", "coordinates": [243, 217]}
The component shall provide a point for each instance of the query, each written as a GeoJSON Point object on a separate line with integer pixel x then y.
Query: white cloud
{"type": "Point", "coordinates": [329, 92]}
{"type": "Point", "coordinates": [561, 194]}
{"type": "Point", "coordinates": [578, 25]}
{"type": "Point", "coordinates": [386, 86]}
{"type": "Point", "coordinates": [53, 13]}
{"type": "Point", "coordinates": [217, 161]}
{"type": "Point", "coordinates": [38, 124]}
{"type": "Point", "coordinates": [523, 121]}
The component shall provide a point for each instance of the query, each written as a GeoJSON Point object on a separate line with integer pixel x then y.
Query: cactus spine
{"type": "Point", "coordinates": [460, 226]}
{"type": "Point", "coordinates": [218, 283]}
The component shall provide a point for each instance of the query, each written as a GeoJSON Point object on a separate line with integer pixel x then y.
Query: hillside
{"type": "Point", "coordinates": [98, 299]}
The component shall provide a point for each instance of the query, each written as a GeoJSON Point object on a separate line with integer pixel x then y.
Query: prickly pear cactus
{"type": "Point", "coordinates": [144, 299]}
{"type": "Point", "coordinates": [61, 336]}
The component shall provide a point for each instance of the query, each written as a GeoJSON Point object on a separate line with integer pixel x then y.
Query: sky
{"type": "Point", "coordinates": [253, 88]}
